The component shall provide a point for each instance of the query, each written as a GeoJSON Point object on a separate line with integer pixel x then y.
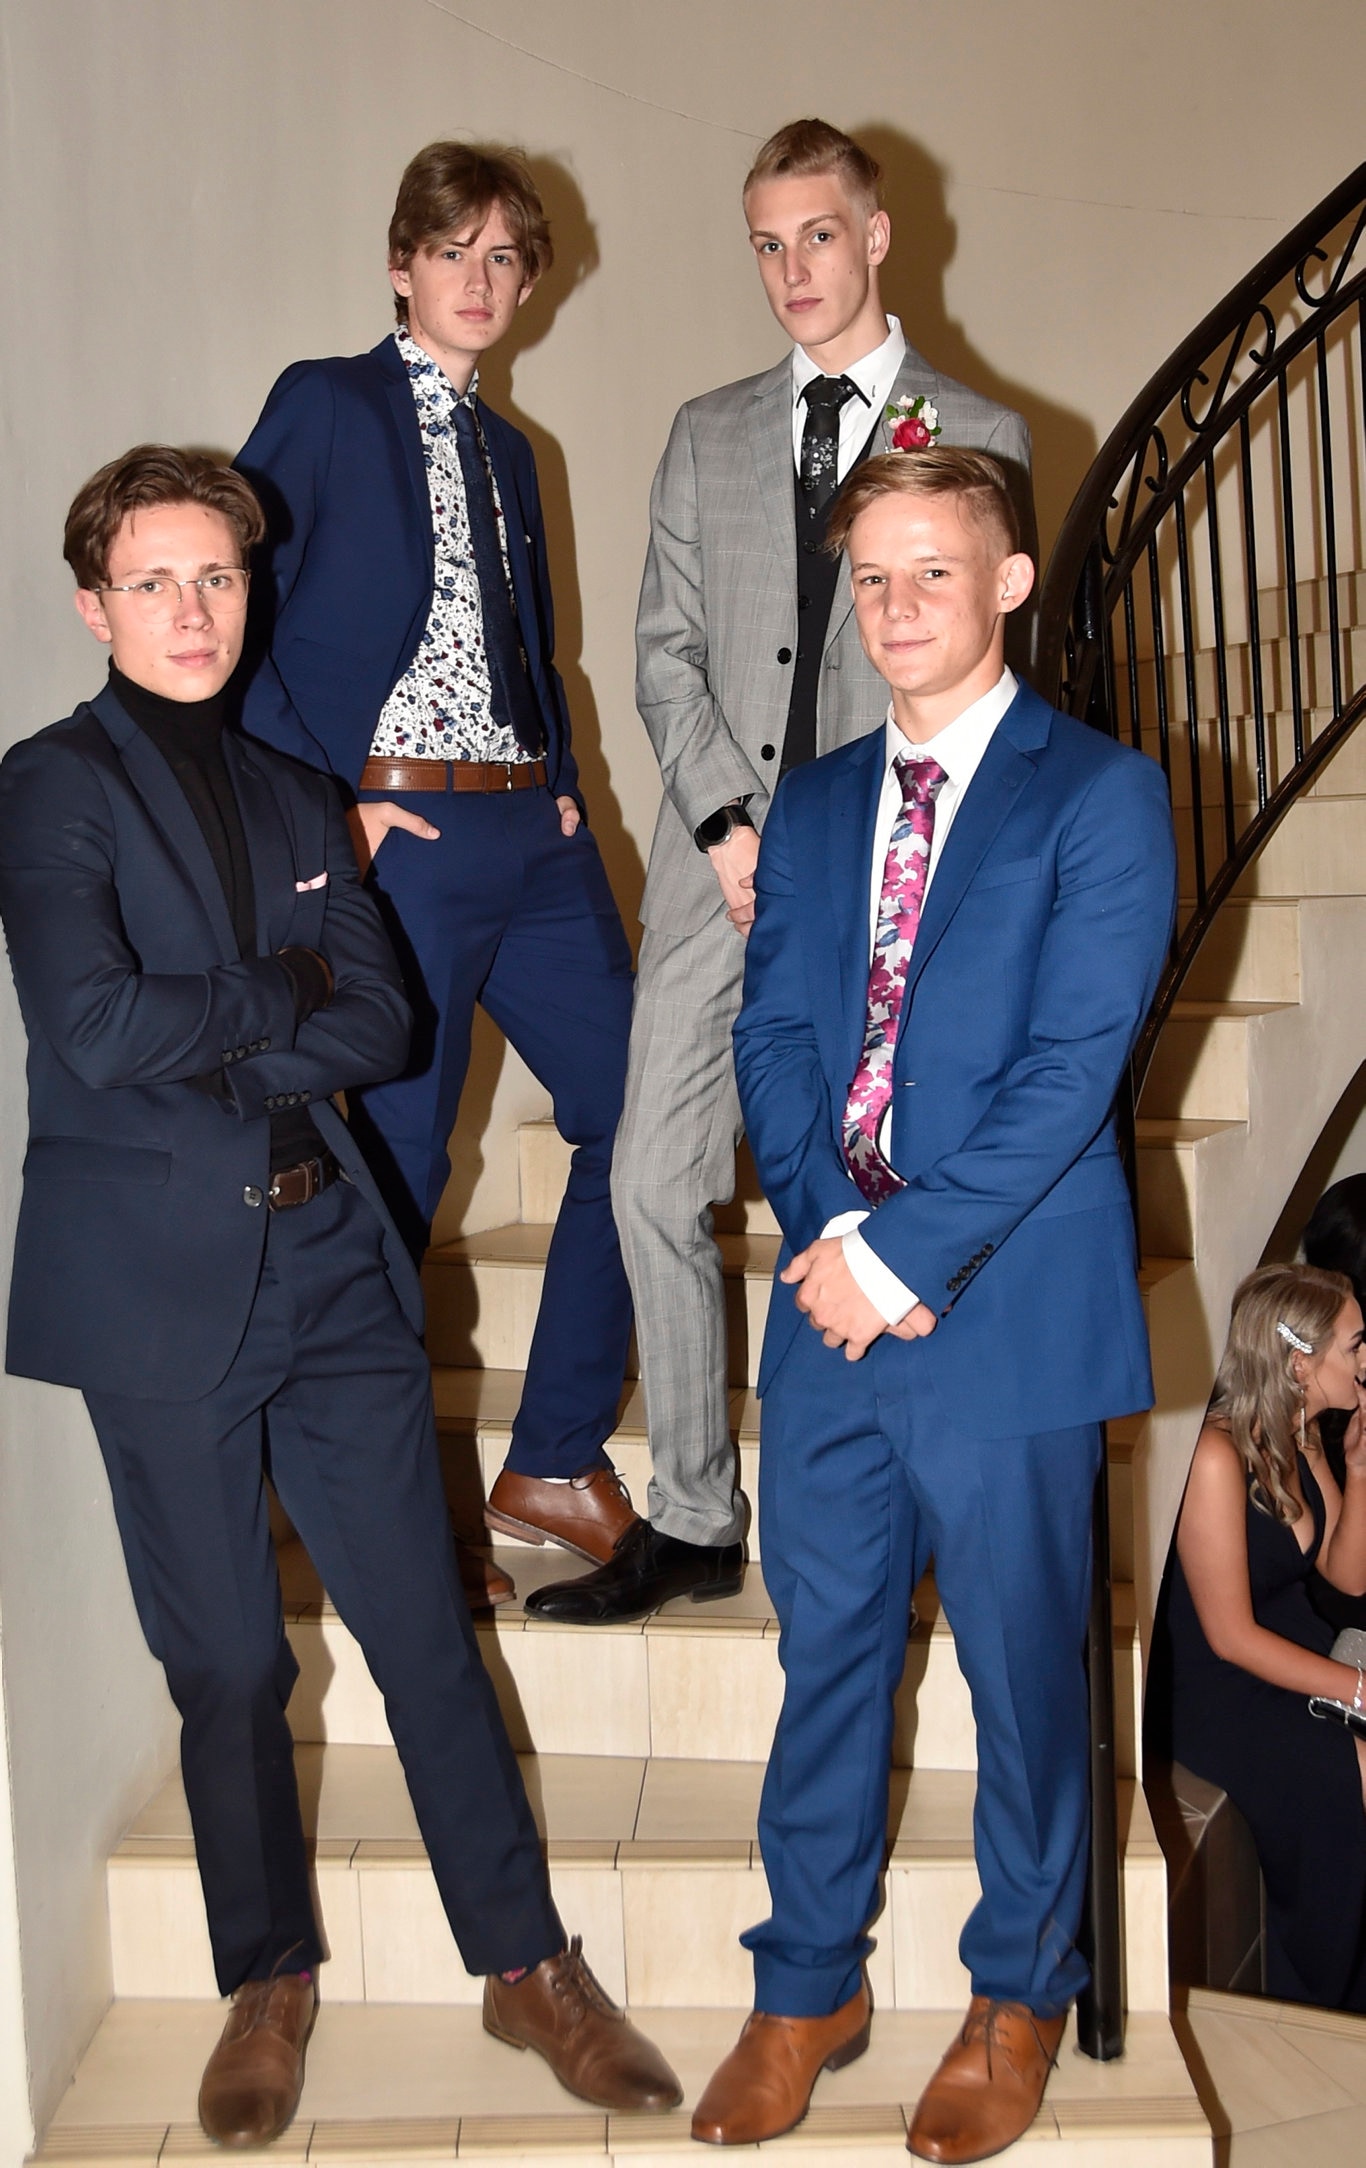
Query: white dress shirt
{"type": "Point", "coordinates": [958, 749]}
{"type": "Point", "coordinates": [874, 378]}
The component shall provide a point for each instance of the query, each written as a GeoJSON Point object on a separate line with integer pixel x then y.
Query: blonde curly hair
{"type": "Point", "coordinates": [1256, 1391]}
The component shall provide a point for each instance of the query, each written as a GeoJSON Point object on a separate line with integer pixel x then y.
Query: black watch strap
{"type": "Point", "coordinates": [718, 826]}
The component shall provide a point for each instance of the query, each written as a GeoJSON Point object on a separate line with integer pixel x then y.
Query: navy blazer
{"type": "Point", "coordinates": [142, 1223]}
{"type": "Point", "coordinates": [337, 461]}
{"type": "Point", "coordinates": [1035, 962]}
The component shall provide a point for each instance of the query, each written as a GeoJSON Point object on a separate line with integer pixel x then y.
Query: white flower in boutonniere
{"type": "Point", "coordinates": [914, 423]}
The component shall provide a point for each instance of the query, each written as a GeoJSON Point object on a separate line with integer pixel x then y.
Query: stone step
{"type": "Point", "coordinates": [1251, 952]}
{"type": "Point", "coordinates": [1277, 651]}
{"type": "Point", "coordinates": [1316, 851]}
{"type": "Point", "coordinates": [689, 1683]}
{"type": "Point", "coordinates": [391, 2085]}
{"type": "Point", "coordinates": [1199, 1072]}
{"type": "Point", "coordinates": [1343, 776]}
{"type": "Point", "coordinates": [543, 1168]}
{"type": "Point", "coordinates": [1170, 1157]}
{"type": "Point", "coordinates": [484, 1290]}
{"type": "Point", "coordinates": [654, 1861]}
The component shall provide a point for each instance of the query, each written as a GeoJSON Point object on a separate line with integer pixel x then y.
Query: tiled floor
{"type": "Point", "coordinates": [1283, 2087]}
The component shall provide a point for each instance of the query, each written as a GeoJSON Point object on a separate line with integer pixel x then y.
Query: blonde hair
{"type": "Point", "coordinates": [807, 147]}
{"type": "Point", "coordinates": [1256, 1392]}
{"type": "Point", "coordinates": [944, 470]}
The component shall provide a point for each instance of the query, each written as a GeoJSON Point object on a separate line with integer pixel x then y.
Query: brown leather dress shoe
{"type": "Point", "coordinates": [591, 2045]}
{"type": "Point", "coordinates": [986, 2092]}
{"type": "Point", "coordinates": [253, 2079]}
{"type": "Point", "coordinates": [485, 1583]}
{"type": "Point", "coordinates": [589, 1514]}
{"type": "Point", "coordinates": [764, 2085]}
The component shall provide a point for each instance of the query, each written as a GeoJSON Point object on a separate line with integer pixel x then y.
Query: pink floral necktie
{"type": "Point", "coordinates": [898, 919]}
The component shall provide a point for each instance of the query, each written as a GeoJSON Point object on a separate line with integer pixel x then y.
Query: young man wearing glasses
{"type": "Point", "coordinates": [411, 656]}
{"type": "Point", "coordinates": [203, 1254]}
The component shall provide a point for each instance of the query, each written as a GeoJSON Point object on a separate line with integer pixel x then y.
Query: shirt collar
{"type": "Point", "coordinates": [423, 370]}
{"type": "Point", "coordinates": [879, 367]}
{"type": "Point", "coordinates": [959, 746]}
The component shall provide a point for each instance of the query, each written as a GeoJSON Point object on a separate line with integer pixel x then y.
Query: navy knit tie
{"type": "Point", "coordinates": [514, 700]}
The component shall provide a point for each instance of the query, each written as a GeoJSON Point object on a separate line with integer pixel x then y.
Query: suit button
{"type": "Point", "coordinates": [803, 602]}
{"type": "Point", "coordinates": [304, 1098]}
{"type": "Point", "coordinates": [262, 1046]}
{"type": "Point", "coordinates": [251, 1194]}
{"type": "Point", "coordinates": [292, 1100]}
{"type": "Point", "coordinates": [811, 548]}
{"type": "Point", "coordinates": [270, 1103]}
{"type": "Point", "coordinates": [768, 752]}
{"type": "Point", "coordinates": [784, 654]}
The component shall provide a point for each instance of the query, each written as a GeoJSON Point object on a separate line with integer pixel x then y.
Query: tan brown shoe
{"type": "Point", "coordinates": [483, 1580]}
{"type": "Point", "coordinates": [253, 2079]}
{"type": "Point", "coordinates": [592, 2046]}
{"type": "Point", "coordinates": [589, 1514]}
{"type": "Point", "coordinates": [986, 2092]}
{"type": "Point", "coordinates": [764, 2085]}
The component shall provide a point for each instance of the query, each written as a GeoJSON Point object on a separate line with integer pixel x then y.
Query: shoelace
{"type": "Point", "coordinates": [573, 1981]}
{"type": "Point", "coordinates": [263, 2003]}
{"type": "Point", "coordinates": [982, 2028]}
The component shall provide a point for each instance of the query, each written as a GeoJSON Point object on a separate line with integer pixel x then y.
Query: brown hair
{"type": "Point", "coordinates": [452, 188]}
{"type": "Point", "coordinates": [805, 147]}
{"type": "Point", "coordinates": [945, 470]}
{"type": "Point", "coordinates": [1256, 1392]}
{"type": "Point", "coordinates": [153, 474]}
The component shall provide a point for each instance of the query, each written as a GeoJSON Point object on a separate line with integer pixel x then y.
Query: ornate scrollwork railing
{"type": "Point", "coordinates": [1195, 602]}
{"type": "Point", "coordinates": [1195, 606]}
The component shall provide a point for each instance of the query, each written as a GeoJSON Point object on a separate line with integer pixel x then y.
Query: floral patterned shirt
{"type": "Point", "coordinates": [442, 706]}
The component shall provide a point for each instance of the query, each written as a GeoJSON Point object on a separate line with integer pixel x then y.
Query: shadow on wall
{"type": "Point", "coordinates": [1340, 1150]}
{"type": "Point", "coordinates": [924, 243]}
{"type": "Point", "coordinates": [576, 259]}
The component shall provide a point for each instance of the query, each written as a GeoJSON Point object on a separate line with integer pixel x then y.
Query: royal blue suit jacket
{"type": "Point", "coordinates": [142, 1225]}
{"type": "Point", "coordinates": [1035, 962]}
{"type": "Point", "coordinates": [337, 460]}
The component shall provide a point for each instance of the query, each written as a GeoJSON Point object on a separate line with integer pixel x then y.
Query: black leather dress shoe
{"type": "Point", "coordinates": [644, 1571]}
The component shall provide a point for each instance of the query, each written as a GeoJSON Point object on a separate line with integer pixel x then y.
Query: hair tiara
{"type": "Point", "coordinates": [1288, 1332]}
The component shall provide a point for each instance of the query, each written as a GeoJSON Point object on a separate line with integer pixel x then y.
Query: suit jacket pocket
{"type": "Point", "coordinates": [90, 1159]}
{"type": "Point", "coordinates": [1010, 869]}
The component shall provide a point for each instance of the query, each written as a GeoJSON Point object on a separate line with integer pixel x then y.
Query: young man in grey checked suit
{"type": "Point", "coordinates": [748, 664]}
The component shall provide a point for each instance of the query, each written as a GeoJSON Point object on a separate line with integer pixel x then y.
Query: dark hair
{"type": "Point", "coordinates": [153, 474]}
{"type": "Point", "coordinates": [451, 188]}
{"type": "Point", "coordinates": [1335, 1238]}
{"type": "Point", "coordinates": [945, 470]}
{"type": "Point", "coordinates": [805, 147]}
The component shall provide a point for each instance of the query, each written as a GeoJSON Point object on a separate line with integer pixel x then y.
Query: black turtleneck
{"type": "Point", "coordinates": [189, 736]}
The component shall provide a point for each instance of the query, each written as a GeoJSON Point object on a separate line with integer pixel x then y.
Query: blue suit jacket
{"type": "Point", "coordinates": [138, 1250]}
{"type": "Point", "coordinates": [1036, 959]}
{"type": "Point", "coordinates": [337, 460]}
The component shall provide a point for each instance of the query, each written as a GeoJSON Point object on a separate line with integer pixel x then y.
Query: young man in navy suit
{"type": "Point", "coordinates": [410, 655]}
{"type": "Point", "coordinates": [960, 924]}
{"type": "Point", "coordinates": [203, 1254]}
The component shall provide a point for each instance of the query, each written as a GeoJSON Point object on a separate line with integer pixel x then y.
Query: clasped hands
{"type": "Point", "coordinates": [836, 1305]}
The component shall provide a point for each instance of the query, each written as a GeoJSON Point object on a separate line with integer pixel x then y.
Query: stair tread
{"type": "Point", "coordinates": [487, 1400]}
{"type": "Point", "coordinates": [751, 1611]}
{"type": "Point", "coordinates": [1191, 1011]}
{"type": "Point", "coordinates": [1179, 1129]}
{"type": "Point", "coordinates": [525, 1242]}
{"type": "Point", "coordinates": [595, 1810]}
{"type": "Point", "coordinates": [133, 2096]}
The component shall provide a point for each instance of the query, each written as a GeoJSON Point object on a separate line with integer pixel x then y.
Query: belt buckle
{"type": "Point", "coordinates": [508, 783]}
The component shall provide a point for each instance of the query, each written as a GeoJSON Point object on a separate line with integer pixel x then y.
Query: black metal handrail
{"type": "Point", "coordinates": [1250, 428]}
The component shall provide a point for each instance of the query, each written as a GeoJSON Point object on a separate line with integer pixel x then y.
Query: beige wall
{"type": "Point", "coordinates": [196, 193]}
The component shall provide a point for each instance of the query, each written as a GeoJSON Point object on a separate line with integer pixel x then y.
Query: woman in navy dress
{"type": "Point", "coordinates": [1239, 1647]}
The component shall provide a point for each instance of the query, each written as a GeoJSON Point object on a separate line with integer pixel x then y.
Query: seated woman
{"type": "Point", "coordinates": [1238, 1646]}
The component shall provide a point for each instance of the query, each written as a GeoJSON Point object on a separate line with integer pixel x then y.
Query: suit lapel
{"type": "Point", "coordinates": [1004, 771]}
{"type": "Point", "coordinates": [399, 393]}
{"type": "Point", "coordinates": [170, 809]}
{"type": "Point", "coordinates": [848, 848]}
{"type": "Point", "coordinates": [268, 845]}
{"type": "Point", "coordinates": [769, 423]}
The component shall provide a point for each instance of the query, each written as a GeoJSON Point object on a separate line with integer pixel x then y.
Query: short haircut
{"type": "Point", "coordinates": [452, 188]}
{"type": "Point", "coordinates": [154, 474]}
{"type": "Point", "coordinates": [945, 470]}
{"type": "Point", "coordinates": [805, 147]}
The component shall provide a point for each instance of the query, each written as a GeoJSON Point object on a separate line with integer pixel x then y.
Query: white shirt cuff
{"type": "Point", "coordinates": [890, 1297]}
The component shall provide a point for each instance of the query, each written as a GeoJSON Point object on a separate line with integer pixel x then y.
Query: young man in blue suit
{"type": "Point", "coordinates": [960, 924]}
{"type": "Point", "coordinates": [411, 648]}
{"type": "Point", "coordinates": [203, 1254]}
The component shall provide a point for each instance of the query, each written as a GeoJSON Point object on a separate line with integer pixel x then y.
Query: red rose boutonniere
{"type": "Point", "coordinates": [914, 423]}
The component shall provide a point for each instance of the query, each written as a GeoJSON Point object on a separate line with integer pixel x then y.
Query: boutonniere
{"type": "Point", "coordinates": [914, 423]}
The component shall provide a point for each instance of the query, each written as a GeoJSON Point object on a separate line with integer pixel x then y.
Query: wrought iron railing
{"type": "Point", "coordinates": [1196, 606]}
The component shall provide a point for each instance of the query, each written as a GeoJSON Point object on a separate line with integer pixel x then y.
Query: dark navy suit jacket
{"type": "Point", "coordinates": [1038, 954]}
{"type": "Point", "coordinates": [142, 1224]}
{"type": "Point", "coordinates": [337, 459]}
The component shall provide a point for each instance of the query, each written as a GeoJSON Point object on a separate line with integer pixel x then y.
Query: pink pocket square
{"type": "Point", "coordinates": [319, 880]}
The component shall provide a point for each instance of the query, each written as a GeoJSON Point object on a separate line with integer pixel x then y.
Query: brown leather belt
{"type": "Point", "coordinates": [485, 775]}
{"type": "Point", "coordinates": [300, 1185]}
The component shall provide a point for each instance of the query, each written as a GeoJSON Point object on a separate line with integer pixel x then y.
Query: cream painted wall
{"type": "Point", "coordinates": [196, 193]}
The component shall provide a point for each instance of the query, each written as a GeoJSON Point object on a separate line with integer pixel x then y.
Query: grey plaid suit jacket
{"type": "Point", "coordinates": [719, 599]}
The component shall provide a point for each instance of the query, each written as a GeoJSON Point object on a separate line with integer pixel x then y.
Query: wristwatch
{"type": "Point", "coordinates": [718, 827]}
